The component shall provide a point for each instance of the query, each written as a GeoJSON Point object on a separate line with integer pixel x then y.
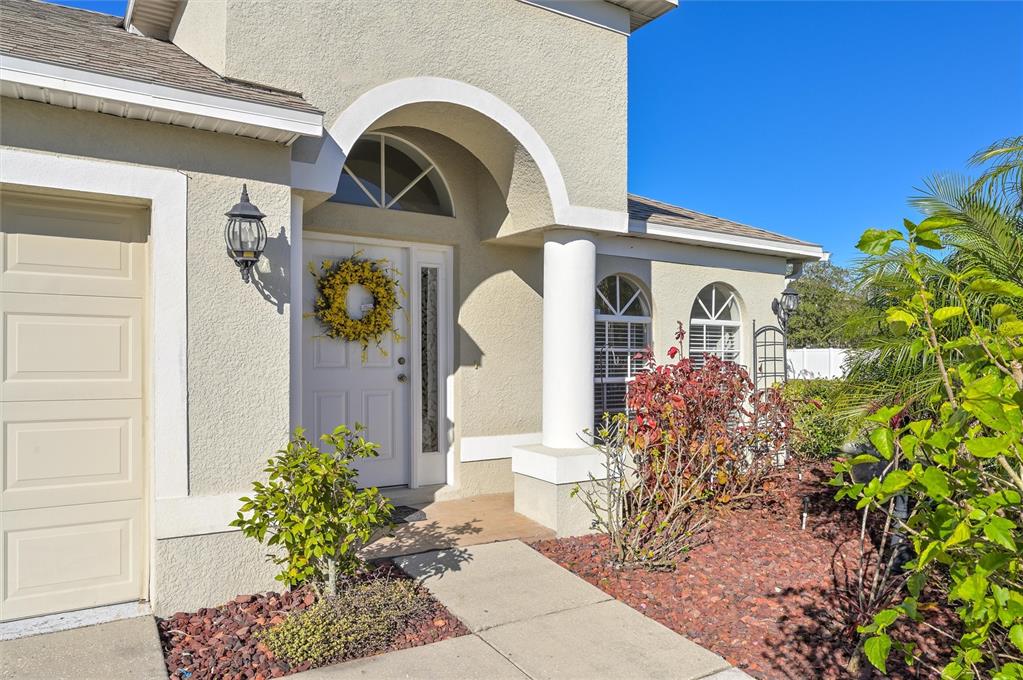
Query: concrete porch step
{"type": "Point", "coordinates": [463, 522]}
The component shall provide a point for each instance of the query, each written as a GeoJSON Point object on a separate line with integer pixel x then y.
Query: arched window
{"type": "Point", "coordinates": [622, 330]}
{"type": "Point", "coordinates": [384, 171]}
{"type": "Point", "coordinates": [714, 325]}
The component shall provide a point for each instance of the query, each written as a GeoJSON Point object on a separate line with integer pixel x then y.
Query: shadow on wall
{"type": "Point", "coordinates": [271, 276]}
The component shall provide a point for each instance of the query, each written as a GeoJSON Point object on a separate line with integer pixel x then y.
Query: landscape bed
{"type": "Point", "coordinates": [224, 642]}
{"type": "Point", "coordinates": [763, 593]}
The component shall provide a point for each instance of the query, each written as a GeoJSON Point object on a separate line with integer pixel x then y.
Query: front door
{"type": "Point", "coordinates": [340, 386]}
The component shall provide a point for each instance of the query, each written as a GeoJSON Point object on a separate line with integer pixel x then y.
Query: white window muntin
{"type": "Point", "coordinates": [622, 330]}
{"type": "Point", "coordinates": [709, 333]}
{"type": "Point", "coordinates": [415, 154]}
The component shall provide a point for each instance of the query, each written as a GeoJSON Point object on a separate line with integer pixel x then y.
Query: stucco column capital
{"type": "Point", "coordinates": [559, 234]}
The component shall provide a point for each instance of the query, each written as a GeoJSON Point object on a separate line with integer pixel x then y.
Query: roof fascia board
{"type": "Point", "coordinates": [178, 100]}
{"type": "Point", "coordinates": [726, 241]}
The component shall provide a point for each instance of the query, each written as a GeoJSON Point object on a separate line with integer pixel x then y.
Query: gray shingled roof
{"type": "Point", "coordinates": [648, 210]}
{"type": "Point", "coordinates": [99, 43]}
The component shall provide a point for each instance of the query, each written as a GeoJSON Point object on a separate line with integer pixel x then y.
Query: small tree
{"type": "Point", "coordinates": [831, 309]}
{"type": "Point", "coordinates": [312, 508]}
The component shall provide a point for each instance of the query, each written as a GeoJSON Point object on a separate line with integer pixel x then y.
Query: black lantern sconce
{"type": "Point", "coordinates": [245, 234]}
{"type": "Point", "coordinates": [786, 306]}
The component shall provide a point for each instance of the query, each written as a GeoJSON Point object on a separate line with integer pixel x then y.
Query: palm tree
{"type": "Point", "coordinates": [983, 234]}
{"type": "Point", "coordinates": [1006, 167]}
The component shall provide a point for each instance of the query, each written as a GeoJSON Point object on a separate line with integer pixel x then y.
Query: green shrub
{"type": "Point", "coordinates": [362, 619]}
{"type": "Point", "coordinates": [819, 431]}
{"type": "Point", "coordinates": [312, 507]}
{"type": "Point", "coordinates": [952, 481]}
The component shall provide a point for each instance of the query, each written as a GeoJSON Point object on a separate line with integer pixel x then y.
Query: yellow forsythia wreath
{"type": "Point", "coordinates": [330, 308]}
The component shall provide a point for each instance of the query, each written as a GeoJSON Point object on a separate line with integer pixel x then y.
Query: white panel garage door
{"type": "Point", "coordinates": [72, 298]}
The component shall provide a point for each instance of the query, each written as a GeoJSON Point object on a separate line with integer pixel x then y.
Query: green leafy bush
{"type": "Point", "coordinates": [362, 619]}
{"type": "Point", "coordinates": [819, 431]}
{"type": "Point", "coordinates": [312, 507]}
{"type": "Point", "coordinates": [959, 466]}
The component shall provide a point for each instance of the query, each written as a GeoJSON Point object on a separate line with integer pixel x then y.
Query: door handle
{"type": "Point", "coordinates": [402, 378]}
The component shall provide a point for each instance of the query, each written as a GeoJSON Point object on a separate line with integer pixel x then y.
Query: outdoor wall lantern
{"type": "Point", "coordinates": [786, 307]}
{"type": "Point", "coordinates": [245, 234]}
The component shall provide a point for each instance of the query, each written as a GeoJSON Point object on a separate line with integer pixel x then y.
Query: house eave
{"type": "Point", "coordinates": [90, 91]}
{"type": "Point", "coordinates": [700, 237]}
{"type": "Point", "coordinates": [642, 12]}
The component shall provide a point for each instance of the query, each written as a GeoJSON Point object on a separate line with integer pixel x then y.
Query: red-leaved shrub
{"type": "Point", "coordinates": [696, 440]}
{"type": "Point", "coordinates": [713, 413]}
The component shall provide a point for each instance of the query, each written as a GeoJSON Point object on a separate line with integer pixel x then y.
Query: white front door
{"type": "Point", "coordinates": [339, 387]}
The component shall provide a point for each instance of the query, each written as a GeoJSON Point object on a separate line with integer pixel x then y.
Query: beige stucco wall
{"type": "Point", "coordinates": [238, 359]}
{"type": "Point", "coordinates": [673, 275]}
{"type": "Point", "coordinates": [567, 78]}
{"type": "Point", "coordinates": [200, 29]}
{"type": "Point", "coordinates": [230, 325]}
{"type": "Point", "coordinates": [208, 570]}
{"type": "Point", "coordinates": [498, 301]}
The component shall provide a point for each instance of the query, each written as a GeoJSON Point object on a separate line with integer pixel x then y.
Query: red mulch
{"type": "Point", "coordinates": [220, 642]}
{"type": "Point", "coordinates": [762, 593]}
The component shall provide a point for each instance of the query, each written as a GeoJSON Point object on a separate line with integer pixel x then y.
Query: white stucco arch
{"type": "Point", "coordinates": [322, 175]}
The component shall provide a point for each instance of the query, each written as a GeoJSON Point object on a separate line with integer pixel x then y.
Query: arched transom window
{"type": "Point", "coordinates": [622, 330]}
{"type": "Point", "coordinates": [714, 325]}
{"type": "Point", "coordinates": [384, 171]}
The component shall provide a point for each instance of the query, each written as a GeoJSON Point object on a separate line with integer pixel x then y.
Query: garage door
{"type": "Point", "coordinates": [72, 297]}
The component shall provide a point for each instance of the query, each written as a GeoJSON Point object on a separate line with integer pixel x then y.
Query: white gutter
{"type": "Point", "coordinates": [749, 244]}
{"type": "Point", "coordinates": [196, 109]}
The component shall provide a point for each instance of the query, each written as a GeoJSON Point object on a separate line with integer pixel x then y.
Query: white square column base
{"type": "Point", "coordinates": [544, 480]}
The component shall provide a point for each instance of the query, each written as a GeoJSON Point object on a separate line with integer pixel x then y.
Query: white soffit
{"type": "Point", "coordinates": [700, 237]}
{"type": "Point", "coordinates": [620, 16]}
{"type": "Point", "coordinates": [152, 18]}
{"type": "Point", "coordinates": [88, 91]}
{"type": "Point", "coordinates": [642, 12]}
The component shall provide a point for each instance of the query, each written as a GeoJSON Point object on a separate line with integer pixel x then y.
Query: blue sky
{"type": "Point", "coordinates": [816, 119]}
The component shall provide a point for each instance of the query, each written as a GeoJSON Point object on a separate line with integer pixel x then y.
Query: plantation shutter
{"type": "Point", "coordinates": [715, 326]}
{"type": "Point", "coordinates": [622, 331]}
{"type": "Point", "coordinates": [719, 340]}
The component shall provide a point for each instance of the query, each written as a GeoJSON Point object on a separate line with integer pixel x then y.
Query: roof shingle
{"type": "Point", "coordinates": [648, 210]}
{"type": "Point", "coordinates": [95, 42]}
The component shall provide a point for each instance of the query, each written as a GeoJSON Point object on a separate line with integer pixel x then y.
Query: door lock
{"type": "Point", "coordinates": [401, 361]}
{"type": "Point", "coordinates": [402, 378]}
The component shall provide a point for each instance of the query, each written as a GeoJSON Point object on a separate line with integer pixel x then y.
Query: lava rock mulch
{"type": "Point", "coordinates": [764, 594]}
{"type": "Point", "coordinates": [221, 642]}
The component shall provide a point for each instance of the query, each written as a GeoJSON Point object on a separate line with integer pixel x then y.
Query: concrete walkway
{"type": "Point", "coordinates": [530, 618]}
{"type": "Point", "coordinates": [119, 650]}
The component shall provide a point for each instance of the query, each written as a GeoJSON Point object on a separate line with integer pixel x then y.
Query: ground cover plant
{"type": "Point", "coordinates": [360, 620]}
{"type": "Point", "coordinates": [237, 640]}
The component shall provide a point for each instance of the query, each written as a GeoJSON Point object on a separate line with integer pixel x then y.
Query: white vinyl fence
{"type": "Point", "coordinates": [817, 363]}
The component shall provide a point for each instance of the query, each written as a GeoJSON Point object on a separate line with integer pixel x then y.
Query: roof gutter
{"type": "Point", "coordinates": [87, 90]}
{"type": "Point", "coordinates": [700, 237]}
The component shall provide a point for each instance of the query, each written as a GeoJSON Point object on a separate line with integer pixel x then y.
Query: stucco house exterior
{"type": "Point", "coordinates": [480, 147]}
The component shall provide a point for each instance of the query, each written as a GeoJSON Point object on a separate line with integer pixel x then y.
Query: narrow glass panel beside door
{"type": "Point", "coordinates": [428, 333]}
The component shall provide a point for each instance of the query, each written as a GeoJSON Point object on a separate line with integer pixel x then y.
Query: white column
{"type": "Point", "coordinates": [298, 271]}
{"type": "Point", "coordinates": [569, 271]}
